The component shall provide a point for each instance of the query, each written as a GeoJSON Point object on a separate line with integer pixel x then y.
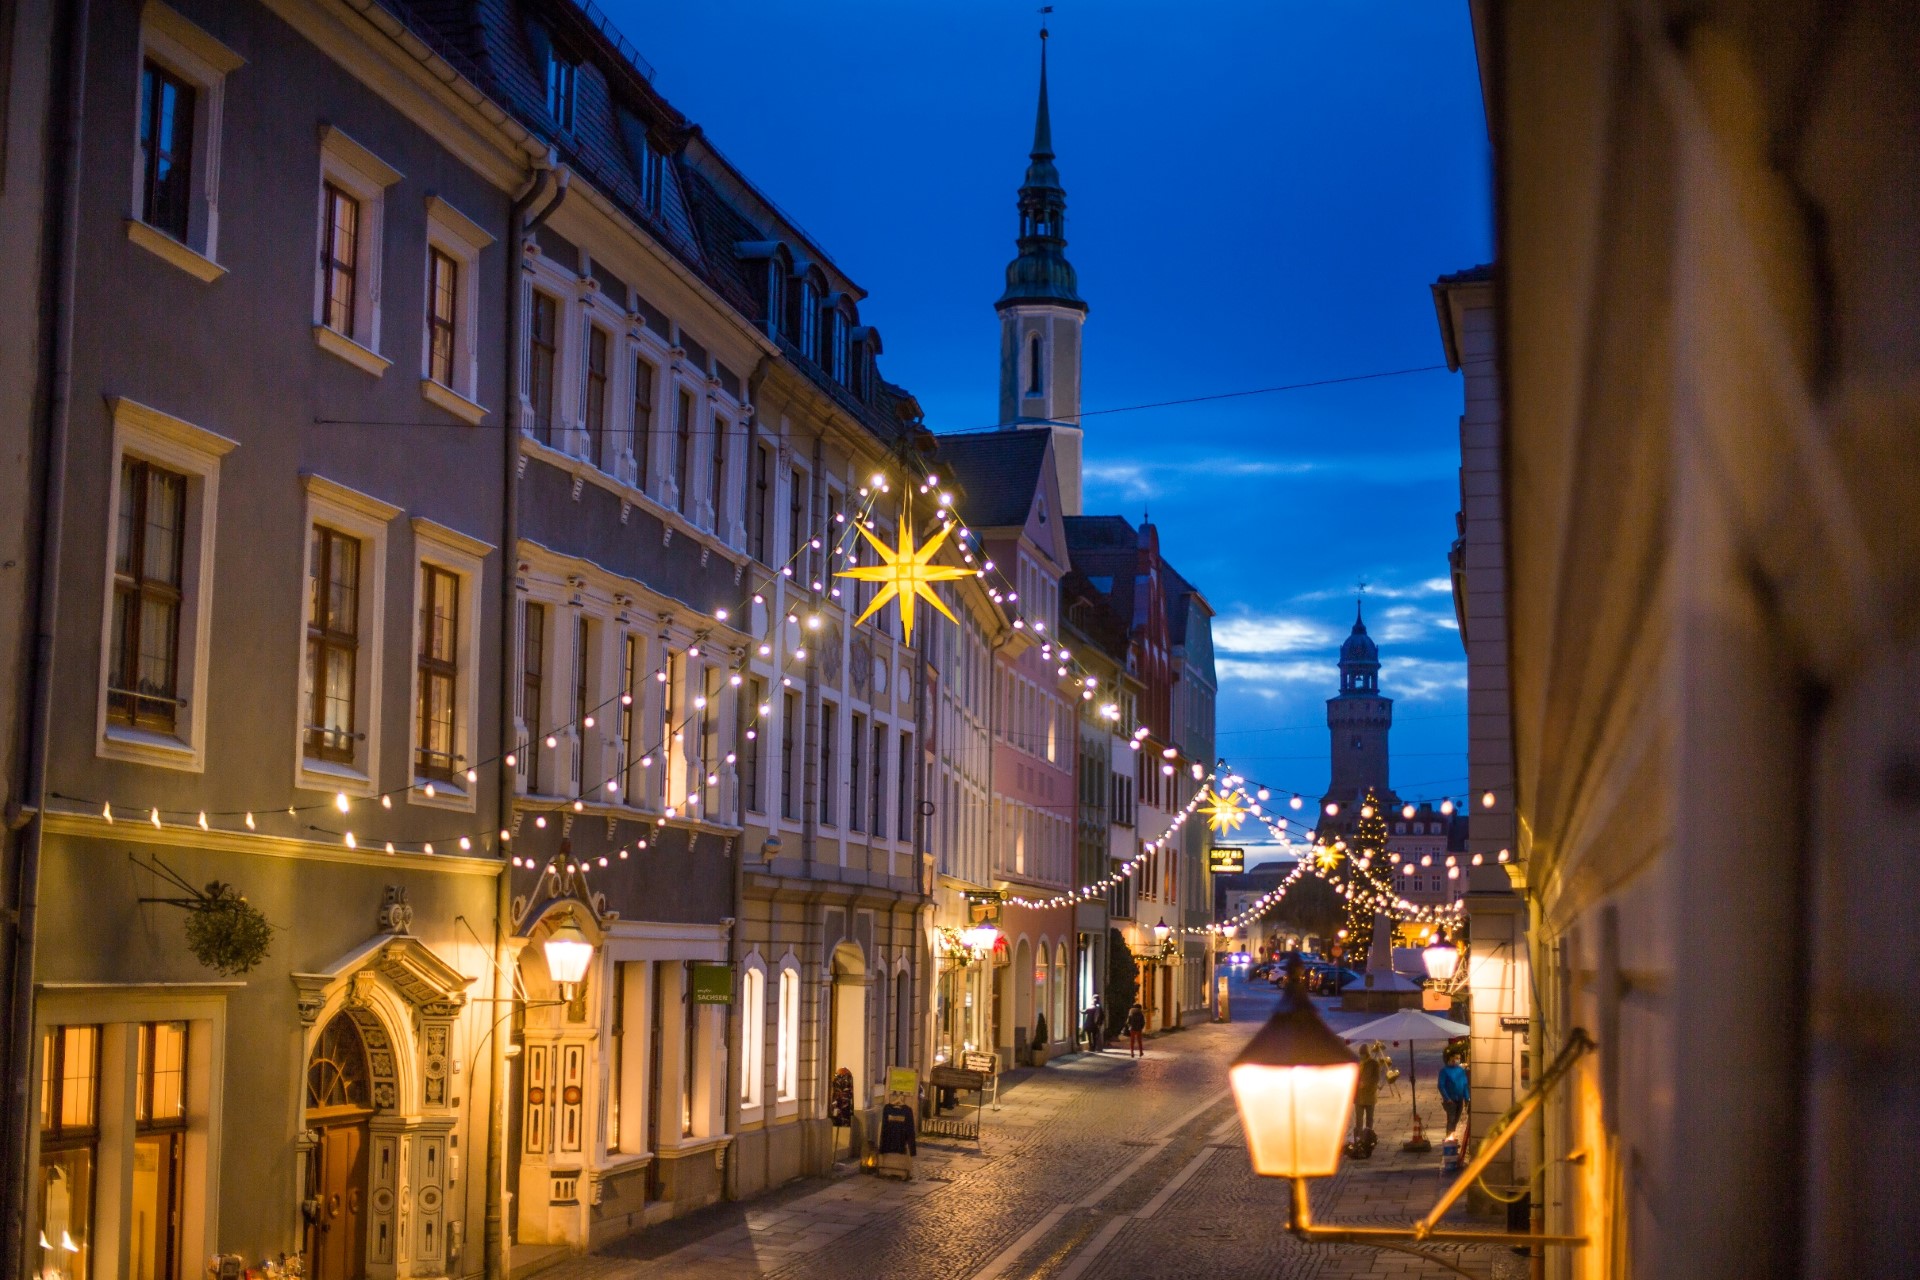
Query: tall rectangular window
{"type": "Point", "coordinates": [789, 731]}
{"type": "Point", "coordinates": [829, 781]}
{"type": "Point", "coordinates": [683, 448]}
{"type": "Point", "coordinates": [166, 150]}
{"type": "Point", "coordinates": [762, 499]}
{"type": "Point", "coordinates": [756, 691]}
{"type": "Point", "coordinates": [672, 736]}
{"type": "Point", "coordinates": [562, 76]}
{"type": "Point", "coordinates": [144, 669]}
{"type": "Point", "coordinates": [857, 774]}
{"type": "Point", "coordinates": [439, 671]}
{"type": "Point", "coordinates": [543, 364]}
{"type": "Point", "coordinates": [617, 1057]}
{"type": "Point", "coordinates": [904, 789]}
{"type": "Point", "coordinates": [340, 261]}
{"type": "Point", "coordinates": [69, 1142]}
{"type": "Point", "coordinates": [630, 717]}
{"type": "Point", "coordinates": [159, 1149]}
{"type": "Point", "coordinates": [787, 1038]}
{"type": "Point", "coordinates": [753, 1035]}
{"type": "Point", "coordinates": [533, 675]}
{"type": "Point", "coordinates": [796, 520]}
{"type": "Point", "coordinates": [643, 376]}
{"type": "Point", "coordinates": [710, 744]}
{"type": "Point", "coordinates": [597, 396]}
{"type": "Point", "coordinates": [877, 784]}
{"type": "Point", "coordinates": [583, 781]}
{"type": "Point", "coordinates": [333, 645]}
{"type": "Point", "coordinates": [443, 315]}
{"type": "Point", "coordinates": [717, 476]}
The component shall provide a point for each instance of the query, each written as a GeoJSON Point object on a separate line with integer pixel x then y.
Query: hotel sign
{"type": "Point", "coordinates": [1226, 859]}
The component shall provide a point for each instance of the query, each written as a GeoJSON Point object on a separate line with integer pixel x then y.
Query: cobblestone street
{"type": "Point", "coordinates": [1094, 1167]}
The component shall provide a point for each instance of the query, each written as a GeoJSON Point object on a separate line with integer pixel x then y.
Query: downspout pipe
{"type": "Point", "coordinates": [519, 227]}
{"type": "Point", "coordinates": [59, 286]}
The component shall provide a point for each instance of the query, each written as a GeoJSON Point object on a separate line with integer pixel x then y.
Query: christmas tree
{"type": "Point", "coordinates": [1368, 876]}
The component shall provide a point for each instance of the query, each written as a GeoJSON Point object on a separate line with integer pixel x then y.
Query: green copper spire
{"type": "Point", "coordinates": [1041, 272]}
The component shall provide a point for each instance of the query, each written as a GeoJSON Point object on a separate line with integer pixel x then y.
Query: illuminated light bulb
{"type": "Point", "coordinates": [799, 655]}
{"type": "Point", "coordinates": [1135, 744]}
{"type": "Point", "coordinates": [752, 734]}
{"type": "Point", "coordinates": [106, 811]}
{"type": "Point", "coordinates": [1446, 806]}
{"type": "Point", "coordinates": [340, 801]}
{"type": "Point", "coordinates": [386, 802]}
{"type": "Point", "coordinates": [1167, 769]}
{"type": "Point", "coordinates": [734, 679]}
{"type": "Point", "coordinates": [351, 843]}
{"type": "Point", "coordinates": [1295, 802]}
{"type": "Point", "coordinates": [515, 860]}
{"type": "Point", "coordinates": [1366, 811]}
{"type": "Point", "coordinates": [1453, 873]}
{"type": "Point", "coordinates": [430, 790]}
{"type": "Point", "coordinates": [1477, 859]}
{"type": "Point", "coordinates": [155, 816]}
{"type": "Point", "coordinates": [721, 614]}
{"type": "Point", "coordinates": [578, 807]}
{"type": "Point", "coordinates": [646, 762]}
{"type": "Point", "coordinates": [766, 650]}
{"type": "Point", "coordinates": [623, 854]}
{"type": "Point", "coordinates": [787, 571]}
{"type": "Point", "coordinates": [1450, 860]}
{"type": "Point", "coordinates": [250, 825]}
{"type": "Point", "coordinates": [678, 735]}
{"type": "Point", "coordinates": [540, 820]}
{"type": "Point", "coordinates": [1332, 809]}
{"type": "Point", "coordinates": [1504, 855]}
{"type": "Point", "coordinates": [1017, 623]}
{"type": "Point", "coordinates": [465, 844]}
{"type": "Point", "coordinates": [203, 820]}
{"type": "Point", "coordinates": [730, 756]}
{"type": "Point", "coordinates": [661, 676]}
{"type": "Point", "coordinates": [505, 835]}
{"type": "Point", "coordinates": [1426, 860]}
{"type": "Point", "coordinates": [587, 722]}
{"type": "Point", "coordinates": [1167, 753]}
{"type": "Point", "coordinates": [473, 775]}
{"type": "Point", "coordinates": [1486, 801]}
{"type": "Point", "coordinates": [426, 848]}
{"type": "Point", "coordinates": [670, 811]}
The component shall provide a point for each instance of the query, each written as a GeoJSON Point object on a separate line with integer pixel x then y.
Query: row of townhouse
{"type": "Point", "coordinates": [437, 459]}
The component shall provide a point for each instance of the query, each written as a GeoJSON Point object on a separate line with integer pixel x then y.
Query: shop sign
{"type": "Point", "coordinates": [983, 907]}
{"type": "Point", "coordinates": [1226, 859]}
{"type": "Point", "coordinates": [712, 984]}
{"type": "Point", "coordinates": [903, 1080]}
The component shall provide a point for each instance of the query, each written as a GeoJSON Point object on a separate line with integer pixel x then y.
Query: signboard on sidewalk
{"type": "Point", "coordinates": [1226, 859]}
{"type": "Point", "coordinates": [712, 984]}
{"type": "Point", "coordinates": [903, 1080]}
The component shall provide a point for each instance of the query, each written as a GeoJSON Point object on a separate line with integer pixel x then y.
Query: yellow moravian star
{"type": "Point", "coordinates": [906, 573]}
{"type": "Point", "coordinates": [1327, 856]}
{"type": "Point", "coordinates": [1224, 811]}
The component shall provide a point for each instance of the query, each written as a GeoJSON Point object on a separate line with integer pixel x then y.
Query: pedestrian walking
{"type": "Point", "coordinates": [1366, 1092]}
{"type": "Point", "coordinates": [1136, 1031]}
{"type": "Point", "coordinates": [1455, 1090]}
{"type": "Point", "coordinates": [1095, 1024]}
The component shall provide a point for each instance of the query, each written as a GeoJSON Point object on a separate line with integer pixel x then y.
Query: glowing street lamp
{"type": "Point", "coordinates": [1293, 1084]}
{"type": "Point", "coordinates": [1441, 958]}
{"type": "Point", "coordinates": [569, 951]}
{"type": "Point", "coordinates": [980, 938]}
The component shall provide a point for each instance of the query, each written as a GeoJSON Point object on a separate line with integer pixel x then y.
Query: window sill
{"type": "Point", "coordinates": [144, 746]}
{"type": "Point", "coordinates": [786, 1110]}
{"type": "Point", "coordinates": [667, 513]}
{"type": "Point", "coordinates": [167, 249]}
{"type": "Point", "coordinates": [690, 1147]}
{"type": "Point", "coordinates": [753, 1117]}
{"type": "Point", "coordinates": [446, 795]}
{"type": "Point", "coordinates": [453, 402]}
{"type": "Point", "coordinates": [332, 775]}
{"type": "Point", "coordinates": [345, 348]}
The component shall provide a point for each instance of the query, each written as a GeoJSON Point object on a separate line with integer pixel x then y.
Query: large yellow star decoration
{"type": "Point", "coordinates": [1327, 856]}
{"type": "Point", "coordinates": [907, 573]}
{"type": "Point", "coordinates": [1224, 810]}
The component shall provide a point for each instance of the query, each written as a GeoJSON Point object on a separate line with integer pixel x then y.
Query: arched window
{"type": "Point", "coordinates": [753, 1035]}
{"type": "Point", "coordinates": [1060, 1027]}
{"type": "Point", "coordinates": [1033, 365]}
{"type": "Point", "coordinates": [902, 1020]}
{"type": "Point", "coordinates": [337, 1074]}
{"type": "Point", "coordinates": [787, 1038]}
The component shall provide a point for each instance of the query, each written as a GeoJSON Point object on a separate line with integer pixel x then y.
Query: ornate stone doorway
{"type": "Point", "coordinates": [339, 1104]}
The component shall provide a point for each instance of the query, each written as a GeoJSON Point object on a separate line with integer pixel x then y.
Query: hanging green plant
{"type": "Point", "coordinates": [225, 932]}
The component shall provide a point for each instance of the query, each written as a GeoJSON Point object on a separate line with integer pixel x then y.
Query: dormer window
{"type": "Point", "coordinates": [836, 342]}
{"type": "Point", "coordinates": [562, 72]}
{"type": "Point", "coordinates": [776, 296]}
{"type": "Point", "coordinates": [806, 324]}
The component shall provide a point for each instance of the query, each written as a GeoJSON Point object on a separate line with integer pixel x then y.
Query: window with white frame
{"type": "Point", "coordinates": [345, 605]}
{"type": "Point", "coordinates": [352, 218]}
{"type": "Point", "coordinates": [753, 1036]}
{"type": "Point", "coordinates": [787, 1037]}
{"type": "Point", "coordinates": [181, 87]}
{"type": "Point", "coordinates": [164, 496]}
{"type": "Point", "coordinates": [446, 648]}
{"type": "Point", "coordinates": [450, 327]}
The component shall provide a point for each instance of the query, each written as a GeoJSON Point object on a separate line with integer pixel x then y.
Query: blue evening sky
{"type": "Point", "coordinates": [1258, 194]}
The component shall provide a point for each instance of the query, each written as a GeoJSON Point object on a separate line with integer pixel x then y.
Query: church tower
{"type": "Point", "coordinates": [1358, 718]}
{"type": "Point", "coordinates": [1041, 313]}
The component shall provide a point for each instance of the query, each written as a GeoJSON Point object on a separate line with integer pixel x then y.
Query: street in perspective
{"type": "Point", "coordinates": [959, 640]}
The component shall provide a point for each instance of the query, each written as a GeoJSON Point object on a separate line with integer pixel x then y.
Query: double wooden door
{"type": "Point", "coordinates": [337, 1182]}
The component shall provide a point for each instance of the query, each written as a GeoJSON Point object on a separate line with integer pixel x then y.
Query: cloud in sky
{"type": "Point", "coordinates": [1134, 480]}
{"type": "Point", "coordinates": [1417, 590]}
{"type": "Point", "coordinates": [1423, 679]}
{"type": "Point", "coordinates": [1268, 633]}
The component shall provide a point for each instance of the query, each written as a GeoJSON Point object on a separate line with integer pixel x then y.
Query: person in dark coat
{"type": "Point", "coordinates": [1095, 1025]}
{"type": "Point", "coordinates": [1136, 1031]}
{"type": "Point", "coordinates": [1366, 1090]}
{"type": "Point", "coordinates": [1455, 1090]}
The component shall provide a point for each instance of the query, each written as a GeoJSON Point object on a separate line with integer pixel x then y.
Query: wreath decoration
{"type": "Point", "coordinates": [225, 932]}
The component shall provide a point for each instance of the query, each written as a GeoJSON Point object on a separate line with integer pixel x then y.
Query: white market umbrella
{"type": "Point", "coordinates": [1409, 1025]}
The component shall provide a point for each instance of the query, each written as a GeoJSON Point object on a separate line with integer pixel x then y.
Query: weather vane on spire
{"type": "Point", "coordinates": [1045, 9]}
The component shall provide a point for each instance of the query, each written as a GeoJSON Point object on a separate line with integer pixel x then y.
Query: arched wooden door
{"type": "Point", "coordinates": [339, 1100]}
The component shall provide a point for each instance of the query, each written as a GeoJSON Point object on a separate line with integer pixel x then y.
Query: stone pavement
{"type": "Point", "coordinates": [1095, 1168]}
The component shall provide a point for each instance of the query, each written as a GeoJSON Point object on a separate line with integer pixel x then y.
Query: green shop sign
{"type": "Point", "coordinates": [712, 984]}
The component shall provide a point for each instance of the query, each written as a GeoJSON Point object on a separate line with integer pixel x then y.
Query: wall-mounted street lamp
{"type": "Point", "coordinates": [1160, 931]}
{"type": "Point", "coordinates": [1441, 958]}
{"type": "Point", "coordinates": [1293, 1085]}
{"type": "Point", "coordinates": [569, 951]}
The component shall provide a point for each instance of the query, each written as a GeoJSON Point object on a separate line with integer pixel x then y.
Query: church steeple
{"type": "Point", "coordinates": [1041, 272]}
{"type": "Point", "coordinates": [1041, 311]}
